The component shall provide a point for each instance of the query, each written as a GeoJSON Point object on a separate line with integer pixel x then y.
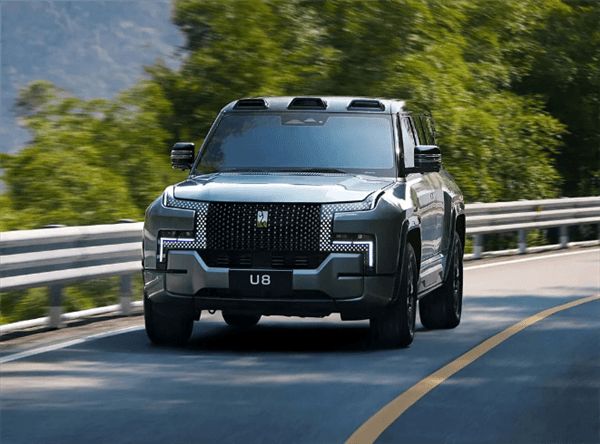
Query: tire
{"type": "Point", "coordinates": [443, 307]}
{"type": "Point", "coordinates": [241, 321]}
{"type": "Point", "coordinates": [396, 326]}
{"type": "Point", "coordinates": [164, 330]}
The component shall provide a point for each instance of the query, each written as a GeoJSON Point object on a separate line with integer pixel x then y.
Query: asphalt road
{"type": "Point", "coordinates": [292, 380]}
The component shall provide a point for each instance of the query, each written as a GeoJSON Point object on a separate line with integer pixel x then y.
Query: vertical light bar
{"type": "Point", "coordinates": [369, 245]}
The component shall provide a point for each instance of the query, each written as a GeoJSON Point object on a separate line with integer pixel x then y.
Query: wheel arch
{"type": "Point", "coordinates": [461, 229]}
{"type": "Point", "coordinates": [413, 238]}
{"type": "Point", "coordinates": [458, 227]}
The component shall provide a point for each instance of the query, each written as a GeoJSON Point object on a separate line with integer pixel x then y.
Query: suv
{"type": "Point", "coordinates": [308, 206]}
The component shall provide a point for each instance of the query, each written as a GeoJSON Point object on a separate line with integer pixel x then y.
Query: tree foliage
{"type": "Point", "coordinates": [565, 72]}
{"type": "Point", "coordinates": [463, 59]}
{"type": "Point", "coordinates": [89, 162]}
{"type": "Point", "coordinates": [513, 87]}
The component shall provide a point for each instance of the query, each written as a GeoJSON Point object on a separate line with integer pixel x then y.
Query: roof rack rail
{"type": "Point", "coordinates": [307, 103]}
{"type": "Point", "coordinates": [366, 104]}
{"type": "Point", "coordinates": [251, 104]}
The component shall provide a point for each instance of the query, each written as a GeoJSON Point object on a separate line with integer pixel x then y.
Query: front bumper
{"type": "Point", "coordinates": [336, 286]}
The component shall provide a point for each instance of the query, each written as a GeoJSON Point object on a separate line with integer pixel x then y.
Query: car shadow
{"type": "Point", "coordinates": [282, 337]}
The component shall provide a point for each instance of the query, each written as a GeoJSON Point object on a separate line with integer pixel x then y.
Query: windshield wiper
{"type": "Point", "coordinates": [314, 170]}
{"type": "Point", "coordinates": [282, 170]}
{"type": "Point", "coordinates": [244, 170]}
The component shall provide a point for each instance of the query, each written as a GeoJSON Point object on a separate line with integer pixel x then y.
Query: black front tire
{"type": "Point", "coordinates": [443, 307]}
{"type": "Point", "coordinates": [396, 326]}
{"type": "Point", "coordinates": [241, 321]}
{"type": "Point", "coordinates": [164, 330]}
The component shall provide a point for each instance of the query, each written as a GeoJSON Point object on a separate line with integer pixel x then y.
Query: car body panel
{"type": "Point", "coordinates": [280, 187]}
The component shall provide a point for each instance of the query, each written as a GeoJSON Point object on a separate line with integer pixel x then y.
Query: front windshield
{"type": "Point", "coordinates": [305, 141]}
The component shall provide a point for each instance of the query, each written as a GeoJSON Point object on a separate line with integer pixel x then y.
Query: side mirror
{"type": "Point", "coordinates": [428, 159]}
{"type": "Point", "coordinates": [182, 156]}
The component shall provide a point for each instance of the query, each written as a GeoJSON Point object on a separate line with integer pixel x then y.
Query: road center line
{"type": "Point", "coordinates": [378, 423]}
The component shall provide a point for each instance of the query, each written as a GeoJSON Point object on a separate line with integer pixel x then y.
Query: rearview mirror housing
{"type": "Point", "coordinates": [182, 155]}
{"type": "Point", "coordinates": [428, 159]}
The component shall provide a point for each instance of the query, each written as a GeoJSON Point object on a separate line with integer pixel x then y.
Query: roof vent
{"type": "Point", "coordinates": [366, 104]}
{"type": "Point", "coordinates": [307, 103]}
{"type": "Point", "coordinates": [251, 104]}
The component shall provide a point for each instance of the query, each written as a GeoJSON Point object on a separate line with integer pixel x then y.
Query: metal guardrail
{"type": "Point", "coordinates": [520, 216]}
{"type": "Point", "coordinates": [56, 257]}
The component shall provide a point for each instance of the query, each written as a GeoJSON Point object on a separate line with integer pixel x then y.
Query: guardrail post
{"type": "Point", "coordinates": [564, 236]}
{"type": "Point", "coordinates": [54, 307]}
{"type": "Point", "coordinates": [125, 291]}
{"type": "Point", "coordinates": [477, 246]}
{"type": "Point", "coordinates": [522, 241]}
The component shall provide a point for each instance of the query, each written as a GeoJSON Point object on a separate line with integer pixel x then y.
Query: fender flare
{"type": "Point", "coordinates": [400, 255]}
{"type": "Point", "coordinates": [453, 218]}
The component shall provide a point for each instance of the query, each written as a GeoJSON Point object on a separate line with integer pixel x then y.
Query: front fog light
{"type": "Point", "coordinates": [362, 241]}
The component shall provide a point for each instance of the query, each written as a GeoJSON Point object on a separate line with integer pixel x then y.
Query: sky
{"type": "Point", "coordinates": [92, 48]}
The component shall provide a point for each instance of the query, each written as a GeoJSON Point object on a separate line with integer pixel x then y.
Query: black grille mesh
{"type": "Point", "coordinates": [285, 260]}
{"type": "Point", "coordinates": [290, 227]}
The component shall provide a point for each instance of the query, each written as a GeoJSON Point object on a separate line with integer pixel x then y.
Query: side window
{"type": "Point", "coordinates": [429, 130]}
{"type": "Point", "coordinates": [408, 141]}
{"type": "Point", "coordinates": [420, 133]}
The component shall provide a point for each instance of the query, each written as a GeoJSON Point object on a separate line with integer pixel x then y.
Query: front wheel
{"type": "Point", "coordinates": [396, 326]}
{"type": "Point", "coordinates": [164, 330]}
{"type": "Point", "coordinates": [443, 307]}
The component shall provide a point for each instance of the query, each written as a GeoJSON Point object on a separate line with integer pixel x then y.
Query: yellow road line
{"type": "Point", "coordinates": [376, 425]}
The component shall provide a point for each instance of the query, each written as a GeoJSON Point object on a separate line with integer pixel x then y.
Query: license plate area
{"type": "Point", "coordinates": [263, 283]}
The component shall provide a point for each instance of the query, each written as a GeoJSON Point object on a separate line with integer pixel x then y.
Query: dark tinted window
{"type": "Point", "coordinates": [420, 132]}
{"type": "Point", "coordinates": [292, 141]}
{"type": "Point", "coordinates": [429, 130]}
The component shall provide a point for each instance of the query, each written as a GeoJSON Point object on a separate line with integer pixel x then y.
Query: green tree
{"type": "Point", "coordinates": [89, 162]}
{"type": "Point", "coordinates": [237, 49]}
{"type": "Point", "coordinates": [564, 70]}
{"type": "Point", "coordinates": [460, 58]}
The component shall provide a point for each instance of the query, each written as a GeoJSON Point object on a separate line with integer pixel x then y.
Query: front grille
{"type": "Point", "coordinates": [288, 260]}
{"type": "Point", "coordinates": [298, 235]}
{"type": "Point", "coordinates": [289, 227]}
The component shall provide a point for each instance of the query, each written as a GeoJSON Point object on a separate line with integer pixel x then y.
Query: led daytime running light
{"type": "Point", "coordinates": [369, 245]}
{"type": "Point", "coordinates": [162, 241]}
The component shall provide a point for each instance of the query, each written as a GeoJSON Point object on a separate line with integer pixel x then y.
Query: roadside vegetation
{"type": "Point", "coordinates": [513, 87]}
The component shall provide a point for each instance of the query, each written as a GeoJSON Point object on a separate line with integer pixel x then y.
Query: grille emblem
{"type": "Point", "coordinates": [262, 219]}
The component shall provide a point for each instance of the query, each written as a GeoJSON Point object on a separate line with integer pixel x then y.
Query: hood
{"type": "Point", "coordinates": [279, 187]}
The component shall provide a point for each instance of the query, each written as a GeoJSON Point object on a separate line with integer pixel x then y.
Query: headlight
{"type": "Point", "coordinates": [182, 239]}
{"type": "Point", "coordinates": [168, 198]}
{"type": "Point", "coordinates": [343, 242]}
{"type": "Point", "coordinates": [367, 204]}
